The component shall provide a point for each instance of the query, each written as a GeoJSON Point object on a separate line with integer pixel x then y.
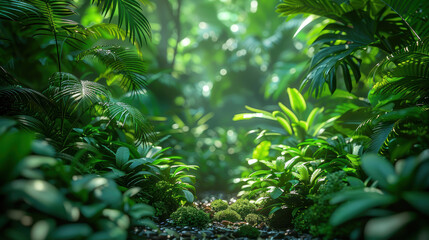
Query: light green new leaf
{"type": "Point", "coordinates": [288, 113]}
{"type": "Point", "coordinates": [297, 101]}
{"type": "Point", "coordinates": [262, 151]}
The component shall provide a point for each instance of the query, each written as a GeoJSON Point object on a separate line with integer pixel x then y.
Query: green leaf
{"type": "Point", "coordinates": [297, 101]}
{"type": "Point", "coordinates": [379, 169]}
{"type": "Point", "coordinates": [72, 231]}
{"type": "Point", "coordinates": [357, 208]}
{"type": "Point", "coordinates": [276, 193]}
{"type": "Point", "coordinates": [122, 156]}
{"type": "Point", "coordinates": [118, 217]}
{"type": "Point", "coordinates": [140, 210]}
{"type": "Point", "coordinates": [130, 14]}
{"type": "Point", "coordinates": [43, 196]}
{"type": "Point", "coordinates": [245, 116]}
{"type": "Point", "coordinates": [262, 151]}
{"type": "Point", "coordinates": [419, 200]}
{"type": "Point", "coordinates": [280, 164]}
{"type": "Point", "coordinates": [285, 124]}
{"type": "Point", "coordinates": [90, 211]}
{"type": "Point", "coordinates": [188, 195]}
{"type": "Point", "coordinates": [289, 113]}
{"type": "Point", "coordinates": [387, 227]}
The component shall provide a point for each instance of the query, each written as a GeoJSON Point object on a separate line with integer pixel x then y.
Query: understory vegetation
{"type": "Point", "coordinates": [115, 115]}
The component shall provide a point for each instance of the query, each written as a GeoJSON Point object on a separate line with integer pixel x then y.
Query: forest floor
{"type": "Point", "coordinates": [217, 230]}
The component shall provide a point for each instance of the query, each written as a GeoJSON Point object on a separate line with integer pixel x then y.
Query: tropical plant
{"type": "Point", "coordinates": [397, 198]}
{"type": "Point", "coordinates": [358, 25]}
{"type": "Point", "coordinates": [299, 122]}
{"type": "Point", "coordinates": [45, 197]}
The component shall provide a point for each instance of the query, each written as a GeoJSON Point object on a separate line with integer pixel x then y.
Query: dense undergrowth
{"type": "Point", "coordinates": [84, 153]}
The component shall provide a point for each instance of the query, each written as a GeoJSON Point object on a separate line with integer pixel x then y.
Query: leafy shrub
{"type": "Point", "coordinates": [190, 216]}
{"type": "Point", "coordinates": [400, 198]}
{"type": "Point", "coordinates": [219, 205]}
{"type": "Point", "coordinates": [42, 195]}
{"type": "Point", "coordinates": [228, 215]}
{"type": "Point", "coordinates": [243, 207]}
{"type": "Point", "coordinates": [164, 198]}
{"type": "Point", "coordinates": [315, 219]}
{"type": "Point", "coordinates": [254, 219]}
{"type": "Point", "coordinates": [248, 231]}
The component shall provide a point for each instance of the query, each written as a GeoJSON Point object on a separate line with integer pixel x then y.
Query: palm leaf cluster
{"type": "Point", "coordinates": [388, 25]}
{"type": "Point", "coordinates": [137, 27]}
{"type": "Point", "coordinates": [122, 61]}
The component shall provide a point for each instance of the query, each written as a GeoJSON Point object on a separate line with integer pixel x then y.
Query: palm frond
{"type": "Point", "coordinates": [130, 15]}
{"type": "Point", "coordinates": [123, 61]}
{"type": "Point", "coordinates": [52, 20]}
{"type": "Point", "coordinates": [6, 79]}
{"type": "Point", "coordinates": [405, 74]}
{"type": "Point", "coordinates": [52, 17]}
{"type": "Point", "coordinates": [131, 118]}
{"type": "Point", "coordinates": [15, 9]}
{"type": "Point", "coordinates": [414, 12]}
{"type": "Point", "coordinates": [78, 94]}
{"type": "Point", "coordinates": [317, 7]}
{"type": "Point", "coordinates": [340, 43]}
{"type": "Point", "coordinates": [15, 99]}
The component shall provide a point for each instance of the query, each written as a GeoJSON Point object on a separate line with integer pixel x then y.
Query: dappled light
{"type": "Point", "coordinates": [208, 119]}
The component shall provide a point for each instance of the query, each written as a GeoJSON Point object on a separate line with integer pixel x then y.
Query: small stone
{"type": "Point", "coordinates": [226, 223]}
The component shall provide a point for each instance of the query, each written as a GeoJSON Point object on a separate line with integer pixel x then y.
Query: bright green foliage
{"type": "Point", "coordinates": [190, 216]}
{"type": "Point", "coordinates": [300, 123]}
{"type": "Point", "coordinates": [219, 205]}
{"type": "Point", "coordinates": [61, 203]}
{"type": "Point", "coordinates": [243, 207]}
{"type": "Point", "coordinates": [248, 232]}
{"type": "Point", "coordinates": [254, 219]}
{"type": "Point", "coordinates": [228, 215]}
{"type": "Point", "coordinates": [401, 193]}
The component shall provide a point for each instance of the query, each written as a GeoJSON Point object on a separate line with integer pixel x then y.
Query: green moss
{"type": "Point", "coordinates": [219, 205]}
{"type": "Point", "coordinates": [243, 207]}
{"type": "Point", "coordinates": [228, 215]}
{"type": "Point", "coordinates": [164, 198]}
{"type": "Point", "coordinates": [254, 219]}
{"type": "Point", "coordinates": [248, 231]}
{"type": "Point", "coordinates": [190, 216]}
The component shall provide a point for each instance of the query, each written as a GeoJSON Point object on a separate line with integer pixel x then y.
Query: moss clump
{"type": "Point", "coordinates": [165, 199]}
{"type": "Point", "coordinates": [248, 231]}
{"type": "Point", "coordinates": [254, 219]}
{"type": "Point", "coordinates": [228, 215]}
{"type": "Point", "coordinates": [219, 205]}
{"type": "Point", "coordinates": [243, 207]}
{"type": "Point", "coordinates": [190, 216]}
